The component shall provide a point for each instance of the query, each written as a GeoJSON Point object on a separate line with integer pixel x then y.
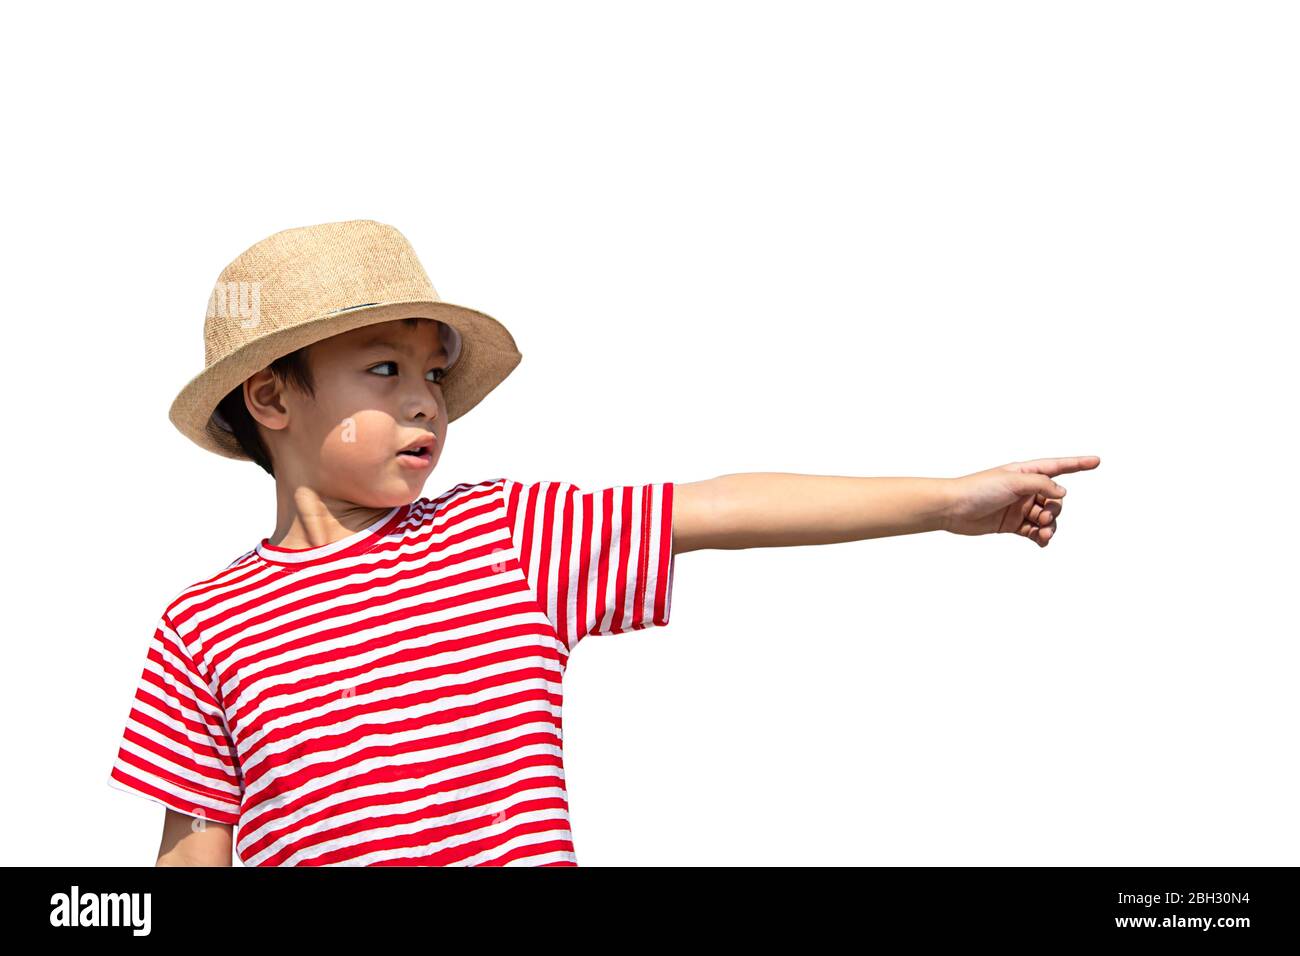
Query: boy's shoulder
{"type": "Point", "coordinates": [425, 509]}
{"type": "Point", "coordinates": [461, 490]}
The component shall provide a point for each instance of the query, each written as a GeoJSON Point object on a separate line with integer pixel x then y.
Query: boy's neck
{"type": "Point", "coordinates": [307, 519]}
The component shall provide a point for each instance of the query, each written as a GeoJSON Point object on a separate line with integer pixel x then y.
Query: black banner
{"type": "Point", "coordinates": [1225, 907]}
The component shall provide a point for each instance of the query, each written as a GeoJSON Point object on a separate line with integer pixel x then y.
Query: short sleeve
{"type": "Point", "coordinates": [600, 562]}
{"type": "Point", "coordinates": [176, 747]}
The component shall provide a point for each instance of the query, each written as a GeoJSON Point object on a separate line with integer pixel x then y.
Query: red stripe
{"type": "Point", "coordinates": [624, 559]}
{"type": "Point", "coordinates": [563, 626]}
{"type": "Point", "coordinates": [601, 546]}
{"type": "Point", "coordinates": [663, 575]}
{"type": "Point", "coordinates": [584, 570]}
{"type": "Point", "coordinates": [643, 554]}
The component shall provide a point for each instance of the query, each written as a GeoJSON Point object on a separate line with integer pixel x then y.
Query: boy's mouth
{"type": "Point", "coordinates": [418, 452]}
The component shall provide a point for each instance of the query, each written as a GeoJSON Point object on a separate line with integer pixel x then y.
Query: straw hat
{"type": "Point", "coordinates": [302, 285]}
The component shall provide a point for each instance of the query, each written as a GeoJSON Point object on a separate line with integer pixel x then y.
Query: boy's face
{"type": "Point", "coordinates": [376, 392]}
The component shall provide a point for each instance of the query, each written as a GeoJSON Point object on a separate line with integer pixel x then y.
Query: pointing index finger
{"type": "Point", "coordinates": [1061, 466]}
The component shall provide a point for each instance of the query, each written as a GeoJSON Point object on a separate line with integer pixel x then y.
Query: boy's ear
{"type": "Point", "coordinates": [264, 397]}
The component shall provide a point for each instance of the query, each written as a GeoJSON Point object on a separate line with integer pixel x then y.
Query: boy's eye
{"type": "Point", "coordinates": [439, 373]}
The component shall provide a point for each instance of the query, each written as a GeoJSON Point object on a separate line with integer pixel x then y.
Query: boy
{"type": "Point", "coordinates": [378, 682]}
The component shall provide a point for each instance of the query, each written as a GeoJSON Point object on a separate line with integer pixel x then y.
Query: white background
{"type": "Point", "coordinates": [852, 239]}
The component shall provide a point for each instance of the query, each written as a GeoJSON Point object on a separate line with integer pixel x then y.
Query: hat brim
{"type": "Point", "coordinates": [487, 355]}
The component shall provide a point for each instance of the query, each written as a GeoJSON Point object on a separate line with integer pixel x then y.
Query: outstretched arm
{"type": "Point", "coordinates": [778, 509]}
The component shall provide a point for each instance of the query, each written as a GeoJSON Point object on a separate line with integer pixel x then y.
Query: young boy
{"type": "Point", "coordinates": [378, 682]}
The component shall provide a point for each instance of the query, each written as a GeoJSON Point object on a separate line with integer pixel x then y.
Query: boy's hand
{"type": "Point", "coordinates": [1019, 497]}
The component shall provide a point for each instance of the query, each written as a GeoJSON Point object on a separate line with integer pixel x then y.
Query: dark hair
{"type": "Point", "coordinates": [291, 369]}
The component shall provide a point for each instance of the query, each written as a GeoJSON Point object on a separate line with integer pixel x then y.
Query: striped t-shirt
{"type": "Point", "coordinates": [394, 698]}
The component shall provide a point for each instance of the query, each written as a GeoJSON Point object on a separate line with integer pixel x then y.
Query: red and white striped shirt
{"type": "Point", "coordinates": [394, 698]}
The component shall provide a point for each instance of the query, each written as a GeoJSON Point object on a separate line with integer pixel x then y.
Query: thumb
{"type": "Point", "coordinates": [1031, 484]}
